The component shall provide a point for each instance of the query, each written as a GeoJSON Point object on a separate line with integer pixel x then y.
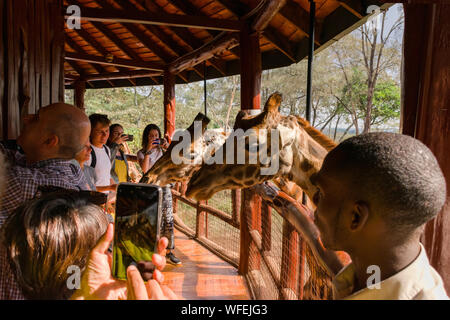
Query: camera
{"type": "Point", "coordinates": [130, 136]}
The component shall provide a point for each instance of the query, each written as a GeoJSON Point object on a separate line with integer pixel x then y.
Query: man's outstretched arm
{"type": "Point", "coordinates": [302, 218]}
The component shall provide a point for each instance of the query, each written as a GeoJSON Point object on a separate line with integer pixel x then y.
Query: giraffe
{"type": "Point", "coordinates": [301, 153]}
{"type": "Point", "coordinates": [165, 171]}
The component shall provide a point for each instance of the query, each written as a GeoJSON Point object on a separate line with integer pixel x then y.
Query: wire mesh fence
{"type": "Point", "coordinates": [277, 262]}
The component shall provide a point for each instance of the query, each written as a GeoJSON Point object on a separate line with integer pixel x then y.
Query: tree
{"type": "Point", "coordinates": [374, 57]}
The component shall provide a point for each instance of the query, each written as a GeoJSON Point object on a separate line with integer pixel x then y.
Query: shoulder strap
{"type": "Point", "coordinates": [93, 158]}
{"type": "Point", "coordinates": [106, 150]}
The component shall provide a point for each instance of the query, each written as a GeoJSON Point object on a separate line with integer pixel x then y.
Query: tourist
{"type": "Point", "coordinates": [120, 171]}
{"type": "Point", "coordinates": [43, 155]}
{"type": "Point", "coordinates": [100, 158]}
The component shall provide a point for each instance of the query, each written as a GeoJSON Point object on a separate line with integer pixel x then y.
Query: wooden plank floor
{"type": "Point", "coordinates": [202, 275]}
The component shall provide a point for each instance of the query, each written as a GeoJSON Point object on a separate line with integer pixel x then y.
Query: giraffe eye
{"type": "Point", "coordinates": [317, 197]}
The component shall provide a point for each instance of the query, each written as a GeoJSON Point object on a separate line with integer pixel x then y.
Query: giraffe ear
{"type": "Point", "coordinates": [287, 135]}
{"type": "Point", "coordinates": [273, 103]}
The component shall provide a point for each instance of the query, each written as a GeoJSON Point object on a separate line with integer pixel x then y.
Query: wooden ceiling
{"type": "Point", "coordinates": [131, 42]}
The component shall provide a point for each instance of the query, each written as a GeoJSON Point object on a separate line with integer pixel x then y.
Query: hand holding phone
{"type": "Point", "coordinates": [137, 228]}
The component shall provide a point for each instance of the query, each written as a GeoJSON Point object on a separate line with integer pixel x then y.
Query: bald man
{"type": "Point", "coordinates": [49, 140]}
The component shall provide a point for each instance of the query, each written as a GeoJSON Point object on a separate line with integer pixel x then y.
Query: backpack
{"type": "Point", "coordinates": [94, 157]}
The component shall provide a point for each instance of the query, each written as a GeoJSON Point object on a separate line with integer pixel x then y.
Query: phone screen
{"type": "Point", "coordinates": [137, 225]}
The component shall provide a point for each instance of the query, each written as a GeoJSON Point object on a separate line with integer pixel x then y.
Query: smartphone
{"type": "Point", "coordinates": [129, 138]}
{"type": "Point", "coordinates": [137, 226]}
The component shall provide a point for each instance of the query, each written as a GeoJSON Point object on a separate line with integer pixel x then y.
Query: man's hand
{"type": "Point", "coordinates": [97, 282]}
{"type": "Point", "coordinates": [152, 290]}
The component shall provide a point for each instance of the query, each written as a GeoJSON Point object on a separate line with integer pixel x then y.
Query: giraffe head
{"type": "Point", "coordinates": [290, 141]}
{"type": "Point", "coordinates": [166, 171]}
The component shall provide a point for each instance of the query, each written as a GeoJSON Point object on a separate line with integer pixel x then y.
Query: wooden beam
{"type": "Point", "coordinates": [168, 41]}
{"type": "Point", "coordinates": [299, 17]}
{"type": "Point", "coordinates": [114, 61]}
{"type": "Point", "coordinates": [122, 75]}
{"type": "Point", "coordinates": [354, 6]}
{"type": "Point", "coordinates": [109, 34]}
{"type": "Point", "coordinates": [78, 48]}
{"type": "Point", "coordinates": [189, 9]}
{"type": "Point", "coordinates": [280, 42]}
{"type": "Point", "coordinates": [251, 70]}
{"type": "Point", "coordinates": [169, 105]}
{"type": "Point", "coordinates": [238, 9]}
{"type": "Point", "coordinates": [103, 15]}
{"type": "Point", "coordinates": [224, 41]}
{"type": "Point", "coordinates": [79, 91]}
{"type": "Point", "coordinates": [269, 10]}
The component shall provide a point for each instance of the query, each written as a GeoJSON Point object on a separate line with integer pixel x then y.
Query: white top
{"type": "Point", "coordinates": [418, 281]}
{"type": "Point", "coordinates": [155, 154]}
{"type": "Point", "coordinates": [102, 167]}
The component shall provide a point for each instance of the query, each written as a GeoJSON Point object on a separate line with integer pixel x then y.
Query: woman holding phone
{"type": "Point", "coordinates": [152, 149]}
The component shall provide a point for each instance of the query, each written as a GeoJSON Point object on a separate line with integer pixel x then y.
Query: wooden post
{"type": "Point", "coordinates": [302, 268]}
{"type": "Point", "coordinates": [425, 108]}
{"type": "Point", "coordinates": [250, 210]}
{"type": "Point", "coordinates": [31, 59]}
{"type": "Point", "coordinates": [169, 105]}
{"type": "Point", "coordinates": [200, 226]}
{"type": "Point", "coordinates": [80, 90]}
{"type": "Point", "coordinates": [236, 204]}
{"type": "Point", "coordinates": [266, 227]}
{"type": "Point", "coordinates": [251, 70]}
{"type": "Point", "coordinates": [289, 257]}
{"type": "Point", "coordinates": [250, 100]}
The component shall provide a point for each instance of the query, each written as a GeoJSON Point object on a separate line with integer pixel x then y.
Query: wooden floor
{"type": "Point", "coordinates": [202, 275]}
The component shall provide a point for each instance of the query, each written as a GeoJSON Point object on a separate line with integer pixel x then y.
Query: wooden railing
{"type": "Point", "coordinates": [203, 221]}
{"type": "Point", "coordinates": [276, 262]}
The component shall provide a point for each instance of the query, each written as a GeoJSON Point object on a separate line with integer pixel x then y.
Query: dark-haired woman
{"type": "Point", "coordinates": [152, 147]}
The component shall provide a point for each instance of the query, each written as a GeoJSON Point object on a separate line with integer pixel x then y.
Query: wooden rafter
{"type": "Point", "coordinates": [110, 35]}
{"type": "Point", "coordinates": [299, 17]}
{"type": "Point", "coordinates": [269, 10]}
{"type": "Point", "coordinates": [78, 48]}
{"type": "Point", "coordinates": [353, 6]}
{"type": "Point", "coordinates": [238, 9]}
{"type": "Point", "coordinates": [185, 35]}
{"type": "Point", "coordinates": [138, 34]}
{"type": "Point", "coordinates": [222, 42]}
{"type": "Point", "coordinates": [110, 15]}
{"type": "Point", "coordinates": [86, 36]}
{"type": "Point", "coordinates": [111, 60]}
{"type": "Point", "coordinates": [122, 75]}
{"type": "Point", "coordinates": [169, 42]}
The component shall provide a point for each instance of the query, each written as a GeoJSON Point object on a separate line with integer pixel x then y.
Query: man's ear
{"type": "Point", "coordinates": [51, 141]}
{"type": "Point", "coordinates": [359, 216]}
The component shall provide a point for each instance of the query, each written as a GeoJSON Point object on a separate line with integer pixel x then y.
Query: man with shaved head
{"type": "Point", "coordinates": [49, 141]}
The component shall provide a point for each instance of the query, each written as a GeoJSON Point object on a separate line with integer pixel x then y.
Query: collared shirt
{"type": "Point", "coordinates": [22, 180]}
{"type": "Point", "coordinates": [418, 281]}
